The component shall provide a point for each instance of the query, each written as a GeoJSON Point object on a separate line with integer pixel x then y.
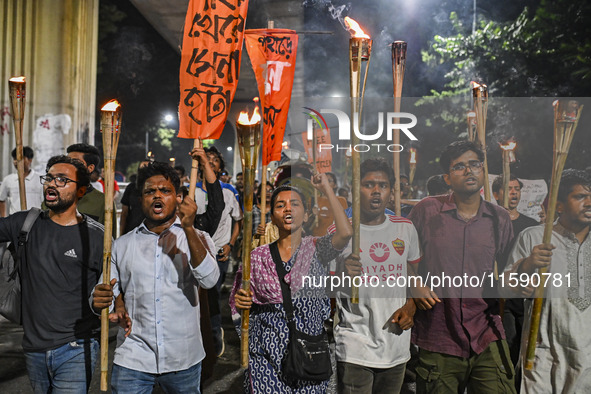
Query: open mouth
{"type": "Point", "coordinates": [287, 219]}
{"type": "Point", "coordinates": [51, 195]}
{"type": "Point", "coordinates": [375, 202]}
{"type": "Point", "coordinates": [587, 214]}
{"type": "Point", "coordinates": [471, 181]}
{"type": "Point", "coordinates": [157, 207]}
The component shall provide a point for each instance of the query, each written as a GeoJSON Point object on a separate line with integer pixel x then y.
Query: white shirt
{"type": "Point", "coordinates": [160, 290]}
{"type": "Point", "coordinates": [223, 234]}
{"type": "Point", "coordinates": [563, 352]}
{"type": "Point", "coordinates": [9, 192]}
{"type": "Point", "coordinates": [364, 334]}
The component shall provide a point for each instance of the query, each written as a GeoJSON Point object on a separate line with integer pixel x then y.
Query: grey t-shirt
{"type": "Point", "coordinates": [62, 267]}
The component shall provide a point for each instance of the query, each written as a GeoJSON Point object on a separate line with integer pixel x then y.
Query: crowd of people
{"type": "Point", "coordinates": [174, 254]}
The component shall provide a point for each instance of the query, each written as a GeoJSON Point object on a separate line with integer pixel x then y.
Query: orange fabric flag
{"type": "Point", "coordinates": [272, 53]}
{"type": "Point", "coordinates": [210, 65]}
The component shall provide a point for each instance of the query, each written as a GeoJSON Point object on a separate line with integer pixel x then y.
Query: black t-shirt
{"type": "Point", "coordinates": [521, 223]}
{"type": "Point", "coordinates": [61, 268]}
{"type": "Point", "coordinates": [132, 198]}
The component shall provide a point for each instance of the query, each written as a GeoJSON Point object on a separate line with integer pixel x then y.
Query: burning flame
{"type": "Point", "coordinates": [354, 26]}
{"type": "Point", "coordinates": [111, 106]}
{"type": "Point", "coordinates": [509, 146]}
{"type": "Point", "coordinates": [476, 85]}
{"type": "Point", "coordinates": [413, 156]}
{"type": "Point", "coordinates": [20, 79]}
{"type": "Point", "coordinates": [255, 118]}
{"type": "Point", "coordinates": [256, 99]}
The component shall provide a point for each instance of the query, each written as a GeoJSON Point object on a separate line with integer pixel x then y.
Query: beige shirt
{"type": "Point", "coordinates": [9, 192]}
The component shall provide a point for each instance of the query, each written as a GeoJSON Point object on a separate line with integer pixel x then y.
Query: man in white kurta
{"type": "Point", "coordinates": [563, 353]}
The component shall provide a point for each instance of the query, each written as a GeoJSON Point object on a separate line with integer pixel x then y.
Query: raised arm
{"type": "Point", "coordinates": [344, 230]}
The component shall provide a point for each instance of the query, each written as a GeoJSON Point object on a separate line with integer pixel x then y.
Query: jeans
{"type": "Point", "coordinates": [67, 369]}
{"type": "Point", "coordinates": [129, 381]}
{"type": "Point", "coordinates": [353, 378]}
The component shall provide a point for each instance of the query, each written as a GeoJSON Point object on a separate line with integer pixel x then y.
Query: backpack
{"type": "Point", "coordinates": [10, 262]}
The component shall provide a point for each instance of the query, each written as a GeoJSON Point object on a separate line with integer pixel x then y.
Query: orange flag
{"type": "Point", "coordinates": [323, 153]}
{"type": "Point", "coordinates": [210, 65]}
{"type": "Point", "coordinates": [272, 53]}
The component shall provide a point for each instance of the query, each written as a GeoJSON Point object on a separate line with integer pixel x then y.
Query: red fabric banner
{"type": "Point", "coordinates": [210, 65]}
{"type": "Point", "coordinates": [272, 53]}
{"type": "Point", "coordinates": [323, 154]}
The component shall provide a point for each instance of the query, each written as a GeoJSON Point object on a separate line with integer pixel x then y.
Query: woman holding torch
{"type": "Point", "coordinates": [301, 256]}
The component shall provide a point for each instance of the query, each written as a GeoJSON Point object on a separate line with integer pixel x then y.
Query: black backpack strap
{"type": "Point", "coordinates": [23, 237]}
{"type": "Point", "coordinates": [285, 290]}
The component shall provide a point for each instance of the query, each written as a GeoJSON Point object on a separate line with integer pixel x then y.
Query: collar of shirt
{"type": "Point", "coordinates": [449, 204]}
{"type": "Point", "coordinates": [143, 229]}
{"type": "Point", "coordinates": [31, 175]}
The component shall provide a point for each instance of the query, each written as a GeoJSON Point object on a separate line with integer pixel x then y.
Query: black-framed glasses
{"type": "Point", "coordinates": [475, 166]}
{"type": "Point", "coordinates": [60, 181]}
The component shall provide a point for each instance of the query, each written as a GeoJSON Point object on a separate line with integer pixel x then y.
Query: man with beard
{"type": "Point", "coordinates": [562, 363]}
{"type": "Point", "coordinates": [156, 270]}
{"type": "Point", "coordinates": [63, 263]}
{"type": "Point", "coordinates": [458, 328]}
{"type": "Point", "coordinates": [372, 337]}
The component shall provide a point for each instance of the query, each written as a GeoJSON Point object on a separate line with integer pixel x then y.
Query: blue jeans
{"type": "Point", "coordinates": [129, 381]}
{"type": "Point", "coordinates": [67, 369]}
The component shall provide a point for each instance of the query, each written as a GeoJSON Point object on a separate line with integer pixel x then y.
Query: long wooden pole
{"type": "Point", "coordinates": [249, 142]}
{"type": "Point", "coordinates": [566, 118]}
{"type": "Point", "coordinates": [197, 143]}
{"type": "Point", "coordinates": [17, 87]}
{"type": "Point", "coordinates": [480, 94]}
{"type": "Point", "coordinates": [506, 177]}
{"type": "Point", "coordinates": [110, 128]}
{"type": "Point", "coordinates": [398, 66]}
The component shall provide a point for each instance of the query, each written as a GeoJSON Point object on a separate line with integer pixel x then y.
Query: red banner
{"type": "Point", "coordinates": [272, 53]}
{"type": "Point", "coordinates": [210, 65]}
{"type": "Point", "coordinates": [323, 154]}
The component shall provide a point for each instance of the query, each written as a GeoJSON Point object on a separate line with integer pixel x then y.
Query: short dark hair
{"type": "Point", "coordinates": [91, 153]}
{"type": "Point", "coordinates": [27, 152]}
{"type": "Point", "coordinates": [333, 176]}
{"type": "Point", "coordinates": [181, 169]}
{"type": "Point", "coordinates": [82, 174]}
{"type": "Point", "coordinates": [288, 188]}
{"type": "Point", "coordinates": [570, 179]}
{"type": "Point", "coordinates": [457, 149]}
{"type": "Point", "coordinates": [215, 151]}
{"type": "Point", "coordinates": [436, 185]}
{"type": "Point", "coordinates": [374, 165]}
{"type": "Point", "coordinates": [158, 168]}
{"type": "Point", "coordinates": [498, 182]}
{"type": "Point", "coordinates": [260, 188]}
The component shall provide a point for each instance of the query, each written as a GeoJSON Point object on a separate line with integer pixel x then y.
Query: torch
{"type": "Point", "coordinates": [172, 162]}
{"type": "Point", "coordinates": [508, 158]}
{"type": "Point", "coordinates": [471, 116]}
{"type": "Point", "coordinates": [398, 65]}
{"type": "Point", "coordinates": [566, 118]}
{"type": "Point", "coordinates": [18, 89]}
{"type": "Point", "coordinates": [111, 129]}
{"type": "Point", "coordinates": [359, 52]}
{"type": "Point", "coordinates": [480, 94]}
{"type": "Point", "coordinates": [248, 133]}
{"type": "Point", "coordinates": [412, 164]}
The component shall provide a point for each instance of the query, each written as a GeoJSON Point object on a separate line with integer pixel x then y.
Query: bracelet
{"type": "Point", "coordinates": [230, 245]}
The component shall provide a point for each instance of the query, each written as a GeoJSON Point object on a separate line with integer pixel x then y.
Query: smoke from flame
{"type": "Point", "coordinates": [111, 106]}
{"type": "Point", "coordinates": [254, 119]}
{"type": "Point", "coordinates": [354, 27]}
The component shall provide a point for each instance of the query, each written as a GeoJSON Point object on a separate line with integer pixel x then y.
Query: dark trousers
{"type": "Point", "coordinates": [358, 379]}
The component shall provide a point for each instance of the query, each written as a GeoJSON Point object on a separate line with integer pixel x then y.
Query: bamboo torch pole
{"type": "Point", "coordinates": [18, 89]}
{"type": "Point", "coordinates": [471, 117]}
{"type": "Point", "coordinates": [507, 156]}
{"type": "Point", "coordinates": [248, 133]}
{"type": "Point", "coordinates": [398, 66]}
{"type": "Point", "coordinates": [111, 129]}
{"type": "Point", "coordinates": [566, 118]}
{"type": "Point", "coordinates": [359, 51]}
{"type": "Point", "coordinates": [480, 94]}
{"type": "Point", "coordinates": [412, 164]}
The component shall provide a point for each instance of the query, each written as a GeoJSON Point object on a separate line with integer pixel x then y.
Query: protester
{"type": "Point", "coordinates": [156, 271]}
{"type": "Point", "coordinates": [62, 264]}
{"type": "Point", "coordinates": [332, 180]}
{"type": "Point", "coordinates": [259, 225]}
{"type": "Point", "coordinates": [9, 188]}
{"type": "Point", "coordinates": [513, 307]}
{"type": "Point", "coordinates": [458, 328]}
{"type": "Point", "coordinates": [436, 185]}
{"type": "Point", "coordinates": [301, 256]}
{"type": "Point", "coordinates": [372, 337]}
{"type": "Point", "coordinates": [182, 173]}
{"type": "Point", "coordinates": [225, 176]}
{"type": "Point", "coordinates": [562, 363]}
{"type": "Point", "coordinates": [102, 182]}
{"type": "Point", "coordinates": [131, 206]}
{"type": "Point", "coordinates": [224, 238]}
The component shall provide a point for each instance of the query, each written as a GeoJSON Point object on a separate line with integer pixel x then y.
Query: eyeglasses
{"type": "Point", "coordinates": [475, 166]}
{"type": "Point", "coordinates": [60, 181]}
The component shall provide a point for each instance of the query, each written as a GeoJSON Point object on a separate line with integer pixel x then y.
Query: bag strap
{"type": "Point", "coordinates": [285, 290]}
{"type": "Point", "coordinates": [23, 237]}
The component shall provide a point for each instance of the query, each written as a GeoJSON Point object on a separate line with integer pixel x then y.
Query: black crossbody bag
{"type": "Point", "coordinates": [308, 356]}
